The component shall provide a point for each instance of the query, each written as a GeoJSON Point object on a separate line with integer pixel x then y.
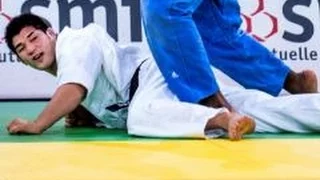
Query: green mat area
{"type": "Point", "coordinates": [30, 110]}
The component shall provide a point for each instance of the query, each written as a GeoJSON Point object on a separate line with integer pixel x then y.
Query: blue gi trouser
{"type": "Point", "coordinates": [186, 36]}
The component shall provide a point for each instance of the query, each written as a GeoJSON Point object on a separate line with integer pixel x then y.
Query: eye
{"type": "Point", "coordinates": [33, 38]}
{"type": "Point", "coordinates": [20, 49]}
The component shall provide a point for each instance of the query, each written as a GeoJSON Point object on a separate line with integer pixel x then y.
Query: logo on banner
{"type": "Point", "coordinates": [259, 11]}
{"type": "Point", "coordinates": [4, 19]}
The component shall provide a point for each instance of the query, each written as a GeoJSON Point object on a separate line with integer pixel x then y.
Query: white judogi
{"type": "Point", "coordinates": [292, 113]}
{"type": "Point", "coordinates": [90, 57]}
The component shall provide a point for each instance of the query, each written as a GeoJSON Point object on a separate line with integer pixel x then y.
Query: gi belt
{"type": "Point", "coordinates": [134, 83]}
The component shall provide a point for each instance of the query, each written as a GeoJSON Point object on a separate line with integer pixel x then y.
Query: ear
{"type": "Point", "coordinates": [50, 32]}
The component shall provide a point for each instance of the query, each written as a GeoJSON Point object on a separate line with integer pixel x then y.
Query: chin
{"type": "Point", "coordinates": [42, 67]}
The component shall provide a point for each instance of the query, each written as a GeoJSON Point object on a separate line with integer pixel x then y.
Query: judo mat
{"type": "Point", "coordinates": [84, 153]}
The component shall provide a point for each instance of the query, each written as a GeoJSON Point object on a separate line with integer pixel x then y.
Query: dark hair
{"type": "Point", "coordinates": [19, 22]}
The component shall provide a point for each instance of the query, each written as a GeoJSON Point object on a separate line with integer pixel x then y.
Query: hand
{"type": "Point", "coordinates": [21, 126]}
{"type": "Point", "coordinates": [73, 121]}
{"type": "Point", "coordinates": [81, 117]}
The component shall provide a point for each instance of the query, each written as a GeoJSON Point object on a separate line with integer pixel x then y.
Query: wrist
{"type": "Point", "coordinates": [36, 127]}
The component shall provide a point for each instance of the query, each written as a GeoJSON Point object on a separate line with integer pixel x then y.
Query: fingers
{"type": "Point", "coordinates": [14, 129]}
{"type": "Point", "coordinates": [68, 122]}
{"type": "Point", "coordinates": [72, 122]}
{"type": "Point", "coordinates": [14, 126]}
{"type": "Point", "coordinates": [78, 123]}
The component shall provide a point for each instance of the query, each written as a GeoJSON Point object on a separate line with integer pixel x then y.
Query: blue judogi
{"type": "Point", "coordinates": [187, 36]}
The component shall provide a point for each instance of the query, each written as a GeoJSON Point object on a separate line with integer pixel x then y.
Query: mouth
{"type": "Point", "coordinates": [37, 56]}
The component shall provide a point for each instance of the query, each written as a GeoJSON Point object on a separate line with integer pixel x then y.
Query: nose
{"type": "Point", "coordinates": [30, 48]}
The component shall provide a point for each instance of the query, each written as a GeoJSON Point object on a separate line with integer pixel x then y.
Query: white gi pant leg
{"type": "Point", "coordinates": [291, 113]}
{"type": "Point", "coordinates": [156, 112]}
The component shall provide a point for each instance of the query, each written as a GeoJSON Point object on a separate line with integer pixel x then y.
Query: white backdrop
{"type": "Point", "coordinates": [290, 28]}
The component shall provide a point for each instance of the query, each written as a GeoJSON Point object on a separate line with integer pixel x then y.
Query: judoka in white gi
{"type": "Point", "coordinates": [92, 70]}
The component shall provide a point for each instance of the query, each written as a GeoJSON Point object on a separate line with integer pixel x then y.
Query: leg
{"type": "Point", "coordinates": [216, 101]}
{"type": "Point", "coordinates": [235, 124]}
{"type": "Point", "coordinates": [303, 82]}
{"type": "Point", "coordinates": [292, 113]}
{"type": "Point", "coordinates": [243, 58]}
{"type": "Point", "coordinates": [155, 111]}
{"type": "Point", "coordinates": [169, 118]}
{"type": "Point", "coordinates": [177, 47]}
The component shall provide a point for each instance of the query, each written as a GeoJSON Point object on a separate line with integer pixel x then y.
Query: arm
{"type": "Point", "coordinates": [65, 100]}
{"type": "Point", "coordinates": [76, 77]}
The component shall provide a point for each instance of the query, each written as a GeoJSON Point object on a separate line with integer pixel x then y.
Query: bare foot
{"type": "Point", "coordinates": [303, 82]}
{"type": "Point", "coordinates": [235, 124]}
{"type": "Point", "coordinates": [239, 125]}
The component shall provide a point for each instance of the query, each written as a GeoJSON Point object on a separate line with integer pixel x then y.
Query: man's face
{"type": "Point", "coordinates": [35, 47]}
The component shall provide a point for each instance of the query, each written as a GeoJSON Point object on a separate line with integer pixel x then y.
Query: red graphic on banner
{"type": "Point", "coordinates": [4, 18]}
{"type": "Point", "coordinates": [249, 19]}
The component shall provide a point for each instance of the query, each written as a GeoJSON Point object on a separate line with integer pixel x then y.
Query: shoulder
{"type": "Point", "coordinates": [70, 34]}
{"type": "Point", "coordinates": [94, 28]}
{"type": "Point", "coordinates": [70, 39]}
{"type": "Point", "coordinates": [87, 34]}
